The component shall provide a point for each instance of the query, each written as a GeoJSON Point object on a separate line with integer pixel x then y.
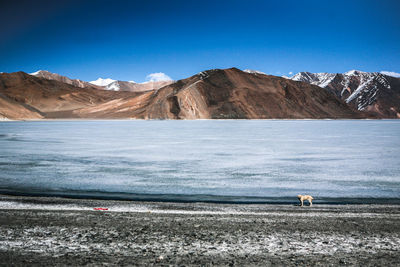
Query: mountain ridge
{"type": "Point", "coordinates": [366, 91]}
{"type": "Point", "coordinates": [48, 98]}
{"type": "Point", "coordinates": [234, 94]}
{"type": "Point", "coordinates": [57, 77]}
{"type": "Point", "coordinates": [212, 94]}
{"type": "Point", "coordinates": [104, 84]}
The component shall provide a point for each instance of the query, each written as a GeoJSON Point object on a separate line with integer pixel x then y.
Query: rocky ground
{"type": "Point", "coordinates": [55, 231]}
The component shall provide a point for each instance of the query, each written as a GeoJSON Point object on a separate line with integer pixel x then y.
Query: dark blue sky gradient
{"type": "Point", "coordinates": [127, 40]}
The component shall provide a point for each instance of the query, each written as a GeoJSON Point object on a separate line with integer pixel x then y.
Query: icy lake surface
{"type": "Point", "coordinates": [202, 160]}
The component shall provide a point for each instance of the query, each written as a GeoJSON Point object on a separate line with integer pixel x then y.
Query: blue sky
{"type": "Point", "coordinates": [127, 40]}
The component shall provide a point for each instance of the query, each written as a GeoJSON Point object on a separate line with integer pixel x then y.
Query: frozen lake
{"type": "Point", "coordinates": [242, 160]}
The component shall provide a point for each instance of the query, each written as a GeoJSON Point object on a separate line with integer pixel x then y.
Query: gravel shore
{"type": "Point", "coordinates": [57, 231]}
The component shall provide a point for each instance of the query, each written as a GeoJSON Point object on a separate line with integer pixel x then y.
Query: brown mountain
{"type": "Point", "coordinates": [234, 94]}
{"type": "Point", "coordinates": [213, 94]}
{"type": "Point", "coordinates": [23, 96]}
{"type": "Point", "coordinates": [57, 77]}
{"type": "Point", "coordinates": [12, 109]}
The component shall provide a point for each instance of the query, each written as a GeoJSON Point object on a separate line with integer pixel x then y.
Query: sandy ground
{"type": "Point", "coordinates": [56, 231]}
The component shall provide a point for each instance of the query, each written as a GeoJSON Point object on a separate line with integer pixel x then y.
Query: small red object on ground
{"type": "Point", "coordinates": [100, 208]}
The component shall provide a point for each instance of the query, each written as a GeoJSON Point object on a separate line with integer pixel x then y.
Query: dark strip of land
{"type": "Point", "coordinates": [56, 231]}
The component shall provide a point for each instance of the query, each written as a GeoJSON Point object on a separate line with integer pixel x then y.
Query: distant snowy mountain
{"type": "Point", "coordinates": [102, 82]}
{"type": "Point", "coordinates": [108, 83]}
{"type": "Point", "coordinates": [136, 87]}
{"type": "Point", "coordinates": [366, 91]}
{"type": "Point", "coordinates": [320, 79]}
{"type": "Point", "coordinates": [156, 81]}
{"type": "Point", "coordinates": [54, 76]}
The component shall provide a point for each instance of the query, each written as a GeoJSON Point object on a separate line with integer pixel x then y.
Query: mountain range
{"type": "Point", "coordinates": [57, 77]}
{"type": "Point", "coordinates": [104, 84]}
{"type": "Point", "coordinates": [366, 91]}
{"type": "Point", "coordinates": [212, 94]}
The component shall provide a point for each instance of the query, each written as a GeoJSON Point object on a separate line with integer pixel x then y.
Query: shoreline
{"type": "Point", "coordinates": [200, 198]}
{"type": "Point", "coordinates": [60, 231]}
{"type": "Point", "coordinates": [137, 119]}
{"type": "Point", "coordinates": [9, 202]}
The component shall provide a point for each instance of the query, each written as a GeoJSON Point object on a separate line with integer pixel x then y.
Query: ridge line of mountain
{"type": "Point", "coordinates": [366, 91]}
{"type": "Point", "coordinates": [104, 84]}
{"type": "Point", "coordinates": [212, 94]}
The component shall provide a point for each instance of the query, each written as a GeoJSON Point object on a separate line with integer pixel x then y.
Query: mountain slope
{"type": "Point", "coordinates": [49, 98]}
{"type": "Point", "coordinates": [103, 84]}
{"type": "Point", "coordinates": [214, 94]}
{"type": "Point", "coordinates": [234, 94]}
{"type": "Point", "coordinates": [136, 87]}
{"type": "Point", "coordinates": [366, 91]}
{"type": "Point", "coordinates": [57, 77]}
{"type": "Point", "coordinates": [11, 109]}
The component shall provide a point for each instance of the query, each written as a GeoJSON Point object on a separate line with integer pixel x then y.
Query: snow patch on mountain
{"type": "Point", "coordinates": [35, 73]}
{"type": "Point", "coordinates": [354, 72]}
{"type": "Point", "coordinates": [154, 82]}
{"type": "Point", "coordinates": [359, 90]}
{"type": "Point", "coordinates": [102, 82]}
{"type": "Point", "coordinates": [367, 88]}
{"type": "Point", "coordinates": [114, 86]}
{"type": "Point", "coordinates": [254, 71]}
{"type": "Point", "coordinates": [321, 79]}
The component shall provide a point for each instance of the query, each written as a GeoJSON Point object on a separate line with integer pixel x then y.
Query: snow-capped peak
{"type": "Point", "coordinates": [353, 72]}
{"type": "Point", "coordinates": [36, 72]}
{"type": "Point", "coordinates": [102, 82]}
{"type": "Point", "coordinates": [321, 79]}
{"type": "Point", "coordinates": [254, 71]}
{"type": "Point", "coordinates": [356, 87]}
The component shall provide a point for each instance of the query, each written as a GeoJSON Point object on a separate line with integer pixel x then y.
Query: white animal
{"type": "Point", "coordinates": [305, 197]}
